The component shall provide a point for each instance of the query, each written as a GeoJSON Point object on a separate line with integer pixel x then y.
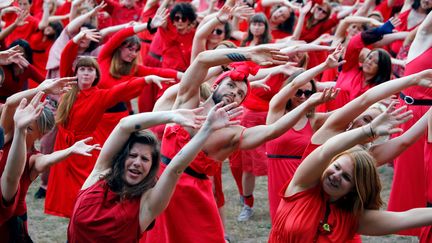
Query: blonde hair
{"type": "Point", "coordinates": [367, 185]}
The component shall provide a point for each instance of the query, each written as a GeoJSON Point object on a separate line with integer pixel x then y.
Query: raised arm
{"type": "Point", "coordinates": [300, 21]}
{"type": "Point", "coordinates": [157, 199]}
{"type": "Point", "coordinates": [255, 136]}
{"type": "Point", "coordinates": [75, 25]}
{"type": "Point", "coordinates": [309, 172]}
{"type": "Point", "coordinates": [195, 75]}
{"type": "Point", "coordinates": [25, 114]}
{"type": "Point", "coordinates": [49, 86]}
{"type": "Point", "coordinates": [131, 124]}
{"type": "Point", "coordinates": [340, 119]}
{"type": "Point", "coordinates": [386, 152]}
{"type": "Point", "coordinates": [279, 101]}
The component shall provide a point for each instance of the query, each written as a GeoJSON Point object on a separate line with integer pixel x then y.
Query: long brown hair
{"type": "Point", "coordinates": [119, 67]}
{"type": "Point", "coordinates": [68, 99]}
{"type": "Point", "coordinates": [367, 185]}
{"type": "Point", "coordinates": [115, 178]}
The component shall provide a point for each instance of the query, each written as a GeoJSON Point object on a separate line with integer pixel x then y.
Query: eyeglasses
{"type": "Point", "coordinates": [218, 31]}
{"type": "Point", "coordinates": [177, 18]}
{"type": "Point", "coordinates": [249, 4]}
{"type": "Point", "coordinates": [307, 93]}
{"type": "Point", "coordinates": [322, 10]}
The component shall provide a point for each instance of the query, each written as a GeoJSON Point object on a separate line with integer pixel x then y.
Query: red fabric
{"type": "Point", "coordinates": [280, 170]}
{"type": "Point", "coordinates": [279, 34]}
{"type": "Point", "coordinates": [396, 45]}
{"type": "Point", "coordinates": [17, 206]}
{"type": "Point", "coordinates": [236, 169]}
{"type": "Point", "coordinates": [13, 84]}
{"type": "Point", "coordinates": [41, 50]}
{"type": "Point", "coordinates": [298, 218]}
{"type": "Point", "coordinates": [21, 32]}
{"type": "Point", "coordinates": [384, 9]}
{"type": "Point", "coordinates": [120, 14]}
{"type": "Point", "coordinates": [177, 48]}
{"type": "Point", "coordinates": [101, 216]}
{"type": "Point", "coordinates": [351, 81]}
{"type": "Point", "coordinates": [259, 98]}
{"type": "Point", "coordinates": [84, 117]}
{"type": "Point", "coordinates": [192, 214]}
{"type": "Point", "coordinates": [408, 187]}
{"type": "Point", "coordinates": [312, 33]}
{"type": "Point", "coordinates": [254, 160]}
{"type": "Point", "coordinates": [426, 232]}
{"type": "Point", "coordinates": [218, 189]}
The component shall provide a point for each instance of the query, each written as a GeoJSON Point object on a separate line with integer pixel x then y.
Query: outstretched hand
{"type": "Point", "coordinates": [386, 123]}
{"type": "Point", "coordinates": [221, 116]}
{"type": "Point", "coordinates": [332, 60]}
{"type": "Point", "coordinates": [27, 112]}
{"type": "Point", "coordinates": [267, 56]}
{"type": "Point", "coordinates": [158, 80]}
{"type": "Point", "coordinates": [82, 148]}
{"type": "Point", "coordinates": [189, 118]}
{"type": "Point", "coordinates": [326, 95]}
{"type": "Point", "coordinates": [58, 86]}
{"type": "Point", "coordinates": [160, 18]}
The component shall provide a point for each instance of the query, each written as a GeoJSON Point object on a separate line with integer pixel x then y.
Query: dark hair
{"type": "Point", "coordinates": [416, 4]}
{"type": "Point", "coordinates": [384, 67]}
{"type": "Point", "coordinates": [185, 9]}
{"type": "Point", "coordinates": [57, 27]}
{"type": "Point", "coordinates": [266, 37]}
{"type": "Point", "coordinates": [288, 25]}
{"type": "Point", "coordinates": [227, 30]}
{"type": "Point", "coordinates": [115, 178]}
{"type": "Point", "coordinates": [288, 105]}
{"type": "Point", "coordinates": [1, 138]}
{"type": "Point", "coordinates": [93, 45]}
{"type": "Point", "coordinates": [28, 53]}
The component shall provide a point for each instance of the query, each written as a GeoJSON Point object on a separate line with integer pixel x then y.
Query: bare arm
{"type": "Point", "coordinates": [16, 161]}
{"type": "Point", "coordinates": [157, 199]}
{"type": "Point", "coordinates": [376, 222]}
{"type": "Point", "coordinates": [423, 38]}
{"type": "Point", "coordinates": [45, 16]}
{"type": "Point", "coordinates": [300, 21]}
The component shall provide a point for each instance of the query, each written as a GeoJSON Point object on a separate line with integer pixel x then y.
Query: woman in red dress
{"type": "Point", "coordinates": [122, 196]}
{"type": "Point", "coordinates": [335, 192]}
{"type": "Point", "coordinates": [78, 115]}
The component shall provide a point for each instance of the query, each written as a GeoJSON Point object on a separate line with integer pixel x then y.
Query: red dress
{"type": "Point", "coordinates": [426, 232]}
{"type": "Point", "coordinates": [17, 207]}
{"type": "Point", "coordinates": [408, 187]}
{"type": "Point", "coordinates": [298, 219]}
{"type": "Point", "coordinates": [111, 118]}
{"type": "Point", "coordinates": [351, 80]}
{"type": "Point", "coordinates": [100, 215]}
{"type": "Point", "coordinates": [284, 156]}
{"type": "Point", "coordinates": [13, 84]}
{"type": "Point", "coordinates": [40, 51]}
{"type": "Point", "coordinates": [396, 45]}
{"type": "Point", "coordinates": [120, 14]}
{"type": "Point", "coordinates": [192, 214]}
{"type": "Point", "coordinates": [21, 32]}
{"type": "Point", "coordinates": [86, 113]}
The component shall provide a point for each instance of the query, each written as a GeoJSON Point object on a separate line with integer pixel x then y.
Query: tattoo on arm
{"type": "Point", "coordinates": [236, 57]}
{"type": "Point", "coordinates": [137, 127]}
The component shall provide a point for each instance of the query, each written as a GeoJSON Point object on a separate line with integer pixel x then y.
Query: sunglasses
{"type": "Point", "coordinates": [307, 93]}
{"type": "Point", "coordinates": [177, 18]}
{"type": "Point", "coordinates": [218, 31]}
{"type": "Point", "coordinates": [322, 10]}
{"type": "Point", "coordinates": [249, 4]}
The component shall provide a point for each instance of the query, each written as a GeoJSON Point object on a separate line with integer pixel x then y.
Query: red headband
{"type": "Point", "coordinates": [239, 73]}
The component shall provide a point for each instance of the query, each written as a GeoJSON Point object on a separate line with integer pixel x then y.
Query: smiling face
{"type": "Point", "coordinates": [217, 35]}
{"type": "Point", "coordinates": [338, 178]}
{"type": "Point", "coordinates": [137, 163]}
{"type": "Point", "coordinates": [370, 64]}
{"type": "Point", "coordinates": [298, 98]}
{"type": "Point", "coordinates": [354, 29]}
{"type": "Point", "coordinates": [229, 91]}
{"type": "Point", "coordinates": [129, 52]}
{"type": "Point", "coordinates": [320, 12]}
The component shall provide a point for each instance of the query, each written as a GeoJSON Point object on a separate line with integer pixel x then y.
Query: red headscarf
{"type": "Point", "coordinates": [239, 73]}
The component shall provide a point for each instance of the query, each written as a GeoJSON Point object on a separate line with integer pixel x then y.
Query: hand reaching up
{"type": "Point", "coordinates": [387, 122]}
{"type": "Point", "coordinates": [27, 112]}
{"type": "Point", "coordinates": [221, 116]}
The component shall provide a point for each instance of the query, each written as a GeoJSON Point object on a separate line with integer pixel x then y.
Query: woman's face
{"type": "Point", "coordinates": [365, 118]}
{"type": "Point", "coordinates": [257, 29]}
{"type": "Point", "coordinates": [301, 95]}
{"type": "Point", "coordinates": [138, 163]}
{"type": "Point", "coordinates": [353, 30]}
{"type": "Point", "coordinates": [321, 12]}
{"type": "Point", "coordinates": [338, 178]}
{"type": "Point", "coordinates": [128, 53]}
{"type": "Point", "coordinates": [280, 15]}
{"type": "Point", "coordinates": [84, 42]}
{"type": "Point", "coordinates": [181, 22]}
{"type": "Point", "coordinates": [33, 133]}
{"type": "Point", "coordinates": [48, 31]}
{"type": "Point", "coordinates": [86, 76]}
{"type": "Point", "coordinates": [370, 64]}
{"type": "Point", "coordinates": [217, 35]}
{"type": "Point", "coordinates": [426, 4]}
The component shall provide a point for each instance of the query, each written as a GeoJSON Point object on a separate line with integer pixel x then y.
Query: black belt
{"type": "Point", "coordinates": [146, 41]}
{"type": "Point", "coordinates": [188, 169]}
{"type": "Point", "coordinates": [119, 107]}
{"type": "Point", "coordinates": [277, 156]}
{"type": "Point", "coordinates": [411, 101]}
{"type": "Point", "coordinates": [156, 56]}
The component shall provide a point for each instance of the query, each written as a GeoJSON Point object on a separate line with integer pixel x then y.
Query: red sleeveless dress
{"type": "Point", "coordinates": [284, 156]}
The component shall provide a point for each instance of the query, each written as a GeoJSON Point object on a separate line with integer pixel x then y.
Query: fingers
{"type": "Point", "coordinates": [235, 112]}
{"type": "Point", "coordinates": [22, 104]}
{"type": "Point", "coordinates": [85, 140]}
{"type": "Point", "coordinates": [36, 99]}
